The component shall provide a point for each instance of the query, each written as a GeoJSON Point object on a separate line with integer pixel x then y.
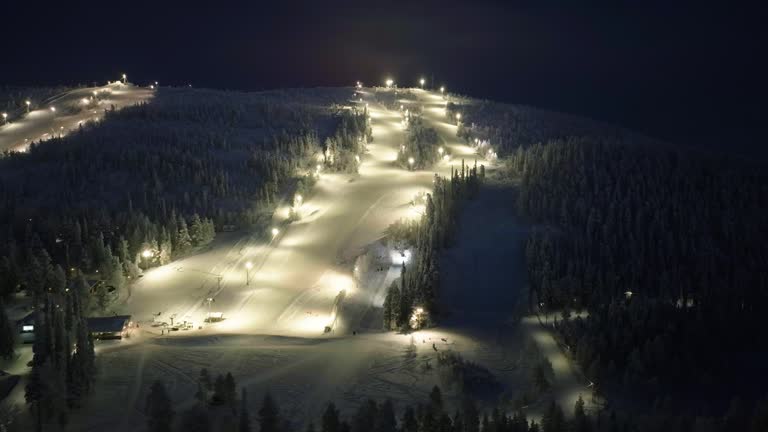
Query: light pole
{"type": "Point", "coordinates": [440, 150]}
{"type": "Point", "coordinates": [298, 200]}
{"type": "Point", "coordinates": [389, 82]}
{"type": "Point", "coordinates": [410, 162]}
{"type": "Point", "coordinates": [209, 300]}
{"type": "Point", "coordinates": [5, 118]}
{"type": "Point", "coordinates": [458, 118]}
{"type": "Point", "coordinates": [28, 103]}
{"type": "Point", "coordinates": [275, 232]}
{"type": "Point", "coordinates": [422, 81]}
{"type": "Point", "coordinates": [442, 90]}
{"type": "Point", "coordinates": [125, 79]}
{"type": "Point", "coordinates": [248, 267]}
{"type": "Point", "coordinates": [53, 110]}
{"type": "Point", "coordinates": [146, 254]}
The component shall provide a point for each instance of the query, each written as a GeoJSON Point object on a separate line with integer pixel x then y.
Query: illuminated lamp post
{"type": "Point", "coordinates": [248, 267]}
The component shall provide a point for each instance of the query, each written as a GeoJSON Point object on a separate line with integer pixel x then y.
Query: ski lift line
{"type": "Point", "coordinates": [249, 241]}
{"type": "Point", "coordinates": [256, 269]}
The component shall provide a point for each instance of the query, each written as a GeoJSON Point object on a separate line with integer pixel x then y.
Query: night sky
{"type": "Point", "coordinates": [691, 74]}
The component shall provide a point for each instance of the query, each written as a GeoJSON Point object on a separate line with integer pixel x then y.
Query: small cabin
{"type": "Point", "coordinates": [26, 328]}
{"type": "Point", "coordinates": [214, 317]}
{"type": "Point", "coordinates": [113, 327]}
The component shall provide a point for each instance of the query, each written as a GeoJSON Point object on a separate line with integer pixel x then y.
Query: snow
{"type": "Point", "coordinates": [273, 336]}
{"type": "Point", "coordinates": [43, 123]}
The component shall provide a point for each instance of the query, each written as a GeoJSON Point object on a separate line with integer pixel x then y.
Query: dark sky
{"type": "Point", "coordinates": [690, 74]}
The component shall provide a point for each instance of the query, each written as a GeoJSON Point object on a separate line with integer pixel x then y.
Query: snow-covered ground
{"type": "Point", "coordinates": [66, 112]}
{"type": "Point", "coordinates": [273, 335]}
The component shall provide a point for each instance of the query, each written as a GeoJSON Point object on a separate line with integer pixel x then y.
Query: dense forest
{"type": "Point", "coordinates": [667, 251]}
{"type": "Point", "coordinates": [420, 146]}
{"type": "Point", "coordinates": [411, 300]}
{"type": "Point", "coordinates": [344, 148]}
{"type": "Point", "coordinates": [63, 365]}
{"type": "Point", "coordinates": [220, 407]}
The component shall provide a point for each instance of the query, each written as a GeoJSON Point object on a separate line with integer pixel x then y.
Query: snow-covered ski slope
{"type": "Point", "coordinates": [272, 337]}
{"type": "Point", "coordinates": [65, 113]}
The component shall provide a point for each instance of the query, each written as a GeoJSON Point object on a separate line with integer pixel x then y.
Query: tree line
{"type": "Point", "coordinates": [219, 408]}
{"type": "Point", "coordinates": [63, 364]}
{"type": "Point", "coordinates": [343, 149]}
{"type": "Point", "coordinates": [417, 287]}
{"type": "Point", "coordinates": [421, 144]}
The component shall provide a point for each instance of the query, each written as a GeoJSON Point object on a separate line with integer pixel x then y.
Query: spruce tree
{"type": "Point", "coordinates": [269, 415]}
{"type": "Point", "coordinates": [244, 424]}
{"type": "Point", "coordinates": [197, 230]}
{"type": "Point", "coordinates": [205, 379]}
{"type": "Point", "coordinates": [580, 420]}
{"type": "Point", "coordinates": [158, 409]}
{"type": "Point", "coordinates": [470, 415]}
{"type": "Point", "coordinates": [409, 422]}
{"type": "Point", "coordinates": [183, 239]}
{"type": "Point", "coordinates": [385, 418]}
{"type": "Point", "coordinates": [387, 310]}
{"type": "Point", "coordinates": [7, 335]}
{"type": "Point", "coordinates": [35, 394]}
{"type": "Point", "coordinates": [330, 420]}
{"type": "Point", "coordinates": [553, 419]}
{"type": "Point", "coordinates": [436, 400]}
{"type": "Point", "coordinates": [219, 391]}
{"type": "Point", "coordinates": [365, 417]}
{"type": "Point", "coordinates": [195, 419]}
{"type": "Point", "coordinates": [230, 391]}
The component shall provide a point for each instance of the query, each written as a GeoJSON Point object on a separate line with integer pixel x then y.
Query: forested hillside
{"type": "Point", "coordinates": [159, 177]}
{"type": "Point", "coordinates": [667, 250]}
{"type": "Point", "coordinates": [507, 127]}
{"type": "Point", "coordinates": [669, 253]}
{"type": "Point", "coordinates": [411, 301]}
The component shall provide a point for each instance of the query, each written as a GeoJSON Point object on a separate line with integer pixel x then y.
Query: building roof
{"type": "Point", "coordinates": [29, 319]}
{"type": "Point", "coordinates": [111, 324]}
